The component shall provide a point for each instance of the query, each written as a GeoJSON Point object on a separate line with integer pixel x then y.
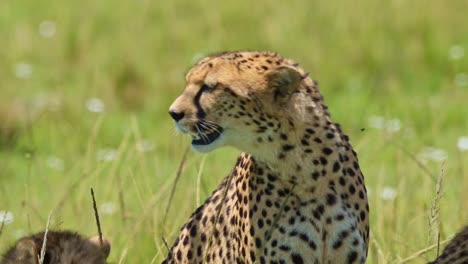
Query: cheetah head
{"type": "Point", "coordinates": [238, 99]}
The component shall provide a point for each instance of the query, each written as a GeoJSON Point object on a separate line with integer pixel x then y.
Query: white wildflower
{"type": "Point", "coordinates": [95, 105]}
{"type": "Point", "coordinates": [6, 217]}
{"type": "Point", "coordinates": [145, 145]}
{"type": "Point", "coordinates": [388, 193]}
{"type": "Point", "coordinates": [392, 125]}
{"type": "Point", "coordinates": [456, 52]}
{"type": "Point", "coordinates": [377, 122]}
{"type": "Point", "coordinates": [107, 208]}
{"type": "Point", "coordinates": [433, 154]}
{"type": "Point", "coordinates": [107, 154]}
{"type": "Point", "coordinates": [461, 79]}
{"type": "Point", "coordinates": [55, 163]}
{"type": "Point", "coordinates": [23, 70]}
{"type": "Point", "coordinates": [47, 29]}
{"type": "Point", "coordinates": [462, 143]}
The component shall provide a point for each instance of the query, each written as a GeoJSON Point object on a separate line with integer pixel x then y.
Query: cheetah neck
{"type": "Point", "coordinates": [308, 157]}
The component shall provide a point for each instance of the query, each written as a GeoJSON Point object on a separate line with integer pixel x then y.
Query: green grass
{"type": "Point", "coordinates": [372, 58]}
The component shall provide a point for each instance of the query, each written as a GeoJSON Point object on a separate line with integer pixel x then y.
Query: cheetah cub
{"type": "Point", "coordinates": [296, 193]}
{"type": "Point", "coordinates": [62, 247]}
{"type": "Point", "coordinates": [456, 252]}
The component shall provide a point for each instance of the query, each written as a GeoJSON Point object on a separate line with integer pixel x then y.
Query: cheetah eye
{"type": "Point", "coordinates": [207, 88]}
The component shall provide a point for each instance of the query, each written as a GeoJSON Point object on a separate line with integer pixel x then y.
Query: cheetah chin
{"type": "Point", "coordinates": [207, 140]}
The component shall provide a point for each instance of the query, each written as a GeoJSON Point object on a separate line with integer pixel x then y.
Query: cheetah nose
{"type": "Point", "coordinates": [176, 115]}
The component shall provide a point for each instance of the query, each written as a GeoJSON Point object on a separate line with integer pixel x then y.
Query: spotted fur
{"type": "Point", "coordinates": [456, 252]}
{"type": "Point", "coordinates": [62, 247]}
{"type": "Point", "coordinates": [296, 193]}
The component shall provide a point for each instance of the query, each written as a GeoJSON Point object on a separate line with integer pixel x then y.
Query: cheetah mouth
{"type": "Point", "coordinates": [206, 136]}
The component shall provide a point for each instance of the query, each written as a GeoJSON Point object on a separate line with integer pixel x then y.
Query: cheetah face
{"type": "Point", "coordinates": [194, 113]}
{"type": "Point", "coordinates": [225, 103]}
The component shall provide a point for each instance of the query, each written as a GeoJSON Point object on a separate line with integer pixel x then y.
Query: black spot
{"type": "Point", "coordinates": [271, 178]}
{"type": "Point", "coordinates": [342, 181]}
{"type": "Point", "coordinates": [258, 242]}
{"type": "Point", "coordinates": [304, 237]}
{"type": "Point", "coordinates": [315, 175]}
{"type": "Point", "coordinates": [296, 258]}
{"type": "Point", "coordinates": [362, 214]}
{"type": "Point", "coordinates": [199, 251]}
{"type": "Point", "coordinates": [260, 223]}
{"type": "Point", "coordinates": [352, 257]}
{"type": "Point", "coordinates": [350, 172]}
{"type": "Point", "coordinates": [336, 166]}
{"type": "Point", "coordinates": [337, 244]}
{"type": "Point", "coordinates": [321, 209]}
{"type": "Point", "coordinates": [284, 247]}
{"type": "Point", "coordinates": [252, 256]}
{"type": "Point", "coordinates": [185, 241]}
{"type": "Point", "coordinates": [331, 199]}
{"type": "Point", "coordinates": [288, 147]}
{"type": "Point", "coordinates": [327, 151]}
{"type": "Point", "coordinates": [361, 194]}
{"type": "Point", "coordinates": [193, 231]}
{"type": "Point", "coordinates": [274, 243]}
{"type": "Point", "coordinates": [339, 217]}
{"type": "Point", "coordinates": [312, 245]}
{"type": "Point", "coordinates": [323, 160]}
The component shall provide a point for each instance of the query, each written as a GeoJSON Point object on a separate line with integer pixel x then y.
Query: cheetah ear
{"type": "Point", "coordinates": [106, 246]}
{"type": "Point", "coordinates": [26, 252]}
{"type": "Point", "coordinates": [284, 80]}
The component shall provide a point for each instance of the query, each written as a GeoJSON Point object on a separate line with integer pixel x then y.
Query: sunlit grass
{"type": "Point", "coordinates": [85, 87]}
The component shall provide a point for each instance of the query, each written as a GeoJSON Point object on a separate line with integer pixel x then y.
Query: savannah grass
{"type": "Point", "coordinates": [399, 60]}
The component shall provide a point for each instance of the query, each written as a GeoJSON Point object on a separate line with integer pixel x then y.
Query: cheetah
{"type": "Point", "coordinates": [296, 193]}
{"type": "Point", "coordinates": [64, 247]}
{"type": "Point", "coordinates": [456, 252]}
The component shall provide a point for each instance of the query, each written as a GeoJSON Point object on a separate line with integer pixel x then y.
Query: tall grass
{"type": "Point", "coordinates": [393, 73]}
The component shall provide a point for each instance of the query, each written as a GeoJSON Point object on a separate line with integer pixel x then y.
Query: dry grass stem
{"type": "Point", "coordinates": [434, 219]}
{"type": "Point", "coordinates": [98, 222]}
{"type": "Point", "coordinates": [44, 243]}
{"type": "Point", "coordinates": [422, 252]}
{"type": "Point", "coordinates": [174, 186]}
{"type": "Point", "coordinates": [416, 160]}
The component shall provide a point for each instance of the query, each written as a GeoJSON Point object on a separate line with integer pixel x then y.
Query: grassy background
{"type": "Point", "coordinates": [398, 60]}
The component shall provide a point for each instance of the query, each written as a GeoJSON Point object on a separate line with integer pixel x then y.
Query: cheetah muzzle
{"type": "Point", "coordinates": [207, 134]}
